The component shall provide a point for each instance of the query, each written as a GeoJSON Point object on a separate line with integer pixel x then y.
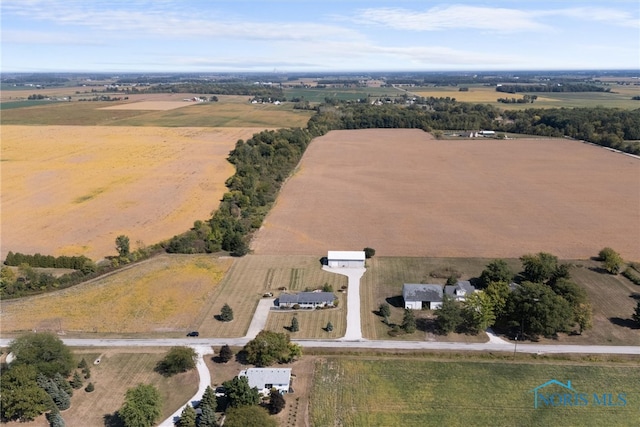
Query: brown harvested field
{"type": "Point", "coordinates": [406, 194]}
{"type": "Point", "coordinates": [167, 295]}
{"type": "Point", "coordinates": [149, 105]}
{"type": "Point", "coordinates": [69, 190]}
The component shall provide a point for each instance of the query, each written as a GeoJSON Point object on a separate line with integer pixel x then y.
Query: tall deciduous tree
{"type": "Point", "coordinates": [45, 351]}
{"type": "Point", "coordinates": [449, 315]}
{"type": "Point", "coordinates": [178, 359]}
{"type": "Point", "coordinates": [122, 245]}
{"type": "Point", "coordinates": [611, 260]}
{"type": "Point", "coordinates": [477, 312]}
{"type": "Point", "coordinates": [496, 271]}
{"type": "Point", "coordinates": [142, 406]}
{"type": "Point", "coordinates": [20, 396]}
{"type": "Point", "coordinates": [239, 393]}
{"type": "Point", "coordinates": [270, 347]}
{"type": "Point", "coordinates": [248, 416]}
{"type": "Point", "coordinates": [540, 267]}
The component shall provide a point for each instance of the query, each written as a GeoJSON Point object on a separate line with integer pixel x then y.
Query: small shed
{"type": "Point", "coordinates": [264, 379]}
{"type": "Point", "coordinates": [422, 296]}
{"type": "Point", "coordinates": [346, 259]}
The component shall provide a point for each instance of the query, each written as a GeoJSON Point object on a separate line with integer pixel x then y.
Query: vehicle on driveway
{"type": "Point", "coordinates": [193, 334]}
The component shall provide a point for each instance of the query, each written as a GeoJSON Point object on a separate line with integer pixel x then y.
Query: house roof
{"type": "Point", "coordinates": [307, 298]}
{"type": "Point", "coordinates": [346, 255]}
{"type": "Point", "coordinates": [258, 377]}
{"type": "Point", "coordinates": [464, 285]}
{"type": "Point", "coordinates": [422, 292]}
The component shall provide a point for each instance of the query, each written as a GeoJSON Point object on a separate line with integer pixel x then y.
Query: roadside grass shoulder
{"type": "Point", "coordinates": [401, 392]}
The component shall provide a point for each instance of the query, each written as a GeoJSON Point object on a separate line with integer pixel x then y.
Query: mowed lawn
{"type": "Point", "coordinates": [252, 276]}
{"type": "Point", "coordinates": [119, 370]}
{"type": "Point", "coordinates": [412, 392]}
{"type": "Point", "coordinates": [166, 295]}
{"type": "Point", "coordinates": [613, 298]}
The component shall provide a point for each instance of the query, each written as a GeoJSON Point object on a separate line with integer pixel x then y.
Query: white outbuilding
{"type": "Point", "coordinates": [348, 259]}
{"type": "Point", "coordinates": [264, 379]}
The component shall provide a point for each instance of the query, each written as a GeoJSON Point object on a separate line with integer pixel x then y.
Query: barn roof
{"type": "Point", "coordinates": [346, 255]}
{"type": "Point", "coordinates": [258, 377]}
{"type": "Point", "coordinates": [422, 292]}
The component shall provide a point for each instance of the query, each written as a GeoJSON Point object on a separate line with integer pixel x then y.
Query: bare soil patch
{"type": "Point", "coordinates": [70, 190]}
{"type": "Point", "coordinates": [406, 194]}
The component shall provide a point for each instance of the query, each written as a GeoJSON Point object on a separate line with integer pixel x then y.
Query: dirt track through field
{"type": "Point", "coordinates": [406, 194]}
{"type": "Point", "coordinates": [69, 190]}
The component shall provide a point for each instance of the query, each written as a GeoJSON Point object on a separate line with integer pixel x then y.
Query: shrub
{"type": "Point", "coordinates": [178, 359]}
{"type": "Point", "coordinates": [633, 277]}
{"type": "Point", "coordinates": [89, 388]}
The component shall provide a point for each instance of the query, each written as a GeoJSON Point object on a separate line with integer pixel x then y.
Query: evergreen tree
{"type": "Point", "coordinates": [239, 393]}
{"type": "Point", "coordinates": [329, 327]}
{"type": "Point", "coordinates": [384, 310]}
{"type": "Point", "coordinates": [89, 388]}
{"type": "Point", "coordinates": [76, 382]}
{"type": "Point", "coordinates": [187, 417]}
{"type": "Point", "coordinates": [55, 419]}
{"type": "Point", "coordinates": [295, 327]}
{"type": "Point", "coordinates": [409, 321]}
{"type": "Point", "coordinates": [63, 384]}
{"type": "Point", "coordinates": [225, 354]}
{"type": "Point", "coordinates": [226, 314]}
{"type": "Point", "coordinates": [636, 314]}
{"type": "Point", "coordinates": [208, 406]}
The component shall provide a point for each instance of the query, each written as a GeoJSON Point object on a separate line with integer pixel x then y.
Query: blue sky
{"type": "Point", "coordinates": [328, 35]}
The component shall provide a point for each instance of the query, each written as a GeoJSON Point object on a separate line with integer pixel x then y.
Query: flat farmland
{"type": "Point", "coordinates": [406, 194]}
{"type": "Point", "coordinates": [165, 295]}
{"type": "Point", "coordinates": [397, 391]}
{"type": "Point", "coordinates": [252, 276]}
{"type": "Point", "coordinates": [70, 190]}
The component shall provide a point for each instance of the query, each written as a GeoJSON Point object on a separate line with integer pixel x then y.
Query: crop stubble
{"type": "Point", "coordinates": [406, 194]}
{"type": "Point", "coordinates": [69, 190]}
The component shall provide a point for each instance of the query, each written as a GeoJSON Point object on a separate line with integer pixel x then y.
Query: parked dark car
{"type": "Point", "coordinates": [193, 334]}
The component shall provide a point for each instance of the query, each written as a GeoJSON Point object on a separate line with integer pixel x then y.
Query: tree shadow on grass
{"type": "Point", "coordinates": [396, 301]}
{"type": "Point", "coordinates": [626, 323]}
{"type": "Point", "coordinates": [113, 420]}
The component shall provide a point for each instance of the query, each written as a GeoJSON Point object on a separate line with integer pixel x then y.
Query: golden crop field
{"type": "Point", "coordinates": [166, 294]}
{"type": "Point", "coordinates": [70, 190]}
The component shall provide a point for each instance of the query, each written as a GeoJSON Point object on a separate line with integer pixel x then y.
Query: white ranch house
{"type": "Point", "coordinates": [348, 259]}
{"type": "Point", "coordinates": [264, 379]}
{"type": "Point", "coordinates": [306, 299]}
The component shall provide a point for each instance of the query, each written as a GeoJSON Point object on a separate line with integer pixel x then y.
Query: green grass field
{"type": "Point", "coordinates": [231, 111]}
{"type": "Point", "coordinates": [413, 392]}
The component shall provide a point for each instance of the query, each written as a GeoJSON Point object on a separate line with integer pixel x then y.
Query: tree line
{"type": "Point", "coordinates": [554, 87]}
{"type": "Point", "coordinates": [46, 261]}
{"type": "Point", "coordinates": [257, 90]}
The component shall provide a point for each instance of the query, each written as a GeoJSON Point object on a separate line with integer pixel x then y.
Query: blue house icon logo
{"type": "Point", "coordinates": [554, 399]}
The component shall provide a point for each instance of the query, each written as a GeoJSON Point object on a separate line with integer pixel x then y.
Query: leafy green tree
{"type": "Point", "coordinates": [611, 260]}
{"type": "Point", "coordinates": [295, 327]}
{"type": "Point", "coordinates": [496, 271]}
{"type": "Point", "coordinates": [142, 406]}
{"type": "Point", "coordinates": [239, 393]}
{"type": "Point", "coordinates": [21, 398]}
{"type": "Point", "coordinates": [45, 351]}
{"type": "Point", "coordinates": [449, 315]}
{"type": "Point", "coordinates": [187, 417]}
{"type": "Point", "coordinates": [248, 416]}
{"type": "Point", "coordinates": [369, 252]}
{"type": "Point", "coordinates": [636, 314]}
{"type": "Point", "coordinates": [498, 293]}
{"type": "Point", "coordinates": [270, 347]}
{"type": "Point", "coordinates": [226, 314]}
{"type": "Point", "coordinates": [178, 359]}
{"type": "Point", "coordinates": [225, 354]}
{"type": "Point", "coordinates": [276, 401]}
{"type": "Point", "coordinates": [409, 321]}
{"type": "Point", "coordinates": [122, 246]}
{"type": "Point", "coordinates": [477, 312]}
{"type": "Point", "coordinates": [540, 267]}
{"type": "Point", "coordinates": [384, 310]}
{"type": "Point", "coordinates": [537, 310]}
